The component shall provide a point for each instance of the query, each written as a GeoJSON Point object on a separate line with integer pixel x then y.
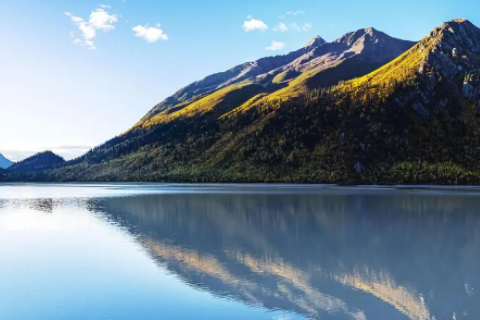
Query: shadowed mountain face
{"type": "Point", "coordinates": [339, 254]}
{"type": "Point", "coordinates": [40, 161]}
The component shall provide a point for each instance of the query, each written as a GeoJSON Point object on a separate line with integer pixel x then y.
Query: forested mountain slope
{"type": "Point", "coordinates": [39, 161]}
{"type": "Point", "coordinates": [413, 120]}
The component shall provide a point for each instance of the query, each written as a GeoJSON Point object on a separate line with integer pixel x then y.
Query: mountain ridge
{"type": "Point", "coordinates": [232, 76]}
{"type": "Point", "coordinates": [310, 61]}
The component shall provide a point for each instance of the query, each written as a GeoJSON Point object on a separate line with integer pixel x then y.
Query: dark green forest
{"type": "Point", "coordinates": [324, 136]}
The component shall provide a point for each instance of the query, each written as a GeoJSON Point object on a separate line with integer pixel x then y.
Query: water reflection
{"type": "Point", "coordinates": [339, 255]}
{"type": "Point", "coordinates": [319, 253]}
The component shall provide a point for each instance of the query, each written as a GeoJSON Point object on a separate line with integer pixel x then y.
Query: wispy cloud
{"type": "Point", "coordinates": [307, 26]}
{"type": "Point", "coordinates": [253, 24]}
{"type": "Point", "coordinates": [295, 27]}
{"type": "Point", "coordinates": [99, 19]}
{"type": "Point", "coordinates": [280, 27]}
{"type": "Point", "coordinates": [295, 13]}
{"type": "Point", "coordinates": [275, 46]}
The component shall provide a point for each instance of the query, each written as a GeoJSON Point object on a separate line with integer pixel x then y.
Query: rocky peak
{"type": "Point", "coordinates": [352, 37]}
{"type": "Point", "coordinates": [456, 54]}
{"type": "Point", "coordinates": [459, 32]}
{"type": "Point", "coordinates": [454, 48]}
{"type": "Point", "coordinates": [315, 42]}
{"type": "Point", "coordinates": [373, 45]}
{"type": "Point", "coordinates": [449, 57]}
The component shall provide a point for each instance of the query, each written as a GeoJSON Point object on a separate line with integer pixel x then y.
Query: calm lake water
{"type": "Point", "coordinates": [76, 252]}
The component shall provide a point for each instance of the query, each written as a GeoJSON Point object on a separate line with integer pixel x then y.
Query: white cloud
{"type": "Point", "coordinates": [281, 27]}
{"type": "Point", "coordinates": [253, 24]}
{"type": "Point", "coordinates": [99, 19]}
{"type": "Point", "coordinates": [307, 26]}
{"type": "Point", "coordinates": [151, 34]}
{"type": "Point", "coordinates": [275, 46]}
{"type": "Point", "coordinates": [295, 13]}
{"type": "Point", "coordinates": [102, 20]}
{"type": "Point", "coordinates": [105, 6]}
{"type": "Point", "coordinates": [295, 27]}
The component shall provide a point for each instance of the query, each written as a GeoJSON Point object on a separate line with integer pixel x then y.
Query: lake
{"type": "Point", "coordinates": [276, 252]}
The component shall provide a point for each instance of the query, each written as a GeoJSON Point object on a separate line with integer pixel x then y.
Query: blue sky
{"type": "Point", "coordinates": [60, 95]}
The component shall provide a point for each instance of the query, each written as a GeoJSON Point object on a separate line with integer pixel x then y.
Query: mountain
{"type": "Point", "coordinates": [4, 162]}
{"type": "Point", "coordinates": [40, 161]}
{"type": "Point", "coordinates": [317, 64]}
{"type": "Point", "coordinates": [236, 74]}
{"type": "Point", "coordinates": [414, 118]}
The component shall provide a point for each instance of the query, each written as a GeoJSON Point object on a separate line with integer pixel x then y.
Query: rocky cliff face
{"type": "Point", "coordinates": [455, 56]}
{"type": "Point", "coordinates": [445, 67]}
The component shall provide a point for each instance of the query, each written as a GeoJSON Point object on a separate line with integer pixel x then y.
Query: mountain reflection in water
{"type": "Point", "coordinates": [335, 255]}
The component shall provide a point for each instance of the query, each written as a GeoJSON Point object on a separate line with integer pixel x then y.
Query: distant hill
{"type": "Point", "coordinates": [40, 161]}
{"type": "Point", "coordinates": [357, 110]}
{"type": "Point", "coordinates": [4, 162]}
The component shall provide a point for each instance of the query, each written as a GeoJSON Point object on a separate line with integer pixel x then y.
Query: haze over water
{"type": "Point", "coordinates": [238, 252]}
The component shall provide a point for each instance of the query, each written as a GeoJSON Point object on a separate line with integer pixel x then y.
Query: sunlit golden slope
{"type": "Point", "coordinates": [216, 103]}
{"type": "Point", "coordinates": [318, 64]}
{"type": "Point", "coordinates": [400, 70]}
